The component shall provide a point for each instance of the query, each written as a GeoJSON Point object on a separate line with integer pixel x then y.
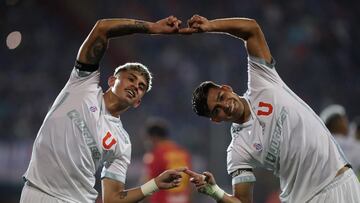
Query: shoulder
{"type": "Point", "coordinates": [83, 79]}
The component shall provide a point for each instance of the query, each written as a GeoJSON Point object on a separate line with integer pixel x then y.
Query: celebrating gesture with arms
{"type": "Point", "coordinates": [83, 130]}
{"type": "Point", "coordinates": [271, 128]}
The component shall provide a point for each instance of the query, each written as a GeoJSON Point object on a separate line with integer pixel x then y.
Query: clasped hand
{"type": "Point", "coordinates": [171, 25]}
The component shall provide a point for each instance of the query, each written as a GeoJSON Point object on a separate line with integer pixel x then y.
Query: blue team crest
{"type": "Point", "coordinates": [257, 146]}
{"type": "Point", "coordinates": [93, 108]}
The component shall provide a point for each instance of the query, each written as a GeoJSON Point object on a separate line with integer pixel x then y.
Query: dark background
{"type": "Point", "coordinates": [315, 44]}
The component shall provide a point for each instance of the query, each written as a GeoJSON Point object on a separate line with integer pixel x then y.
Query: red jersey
{"type": "Point", "coordinates": [168, 155]}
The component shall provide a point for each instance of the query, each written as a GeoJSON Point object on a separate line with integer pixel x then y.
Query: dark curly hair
{"type": "Point", "coordinates": [157, 127]}
{"type": "Point", "coordinates": [199, 98]}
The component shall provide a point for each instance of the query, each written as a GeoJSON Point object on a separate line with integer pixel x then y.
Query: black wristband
{"type": "Point", "coordinates": [86, 67]}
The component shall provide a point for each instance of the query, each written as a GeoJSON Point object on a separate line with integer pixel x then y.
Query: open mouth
{"type": "Point", "coordinates": [231, 107]}
{"type": "Point", "coordinates": [131, 93]}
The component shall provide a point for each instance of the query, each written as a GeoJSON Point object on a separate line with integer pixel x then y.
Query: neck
{"type": "Point", "coordinates": [158, 140]}
{"type": "Point", "coordinates": [113, 104]}
{"type": "Point", "coordinates": [246, 112]}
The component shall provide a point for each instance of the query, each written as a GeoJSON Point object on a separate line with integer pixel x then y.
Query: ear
{"type": "Point", "coordinates": [137, 103]}
{"type": "Point", "coordinates": [215, 120]}
{"type": "Point", "coordinates": [226, 87]}
{"type": "Point", "coordinates": [111, 81]}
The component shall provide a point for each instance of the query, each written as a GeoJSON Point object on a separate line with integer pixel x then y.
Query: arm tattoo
{"type": "Point", "coordinates": [123, 194]}
{"type": "Point", "coordinates": [137, 27]}
{"type": "Point", "coordinates": [96, 51]}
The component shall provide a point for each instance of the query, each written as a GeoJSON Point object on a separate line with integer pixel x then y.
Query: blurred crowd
{"type": "Point", "coordinates": [315, 45]}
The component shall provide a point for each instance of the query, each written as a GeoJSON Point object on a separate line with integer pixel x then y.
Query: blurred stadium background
{"type": "Point", "coordinates": [315, 43]}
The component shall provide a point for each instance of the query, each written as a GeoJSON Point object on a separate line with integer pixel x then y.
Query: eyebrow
{"type": "Point", "coordinates": [218, 96]}
{"type": "Point", "coordinates": [217, 99]}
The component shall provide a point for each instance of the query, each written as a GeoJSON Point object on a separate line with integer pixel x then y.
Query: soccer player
{"type": "Point", "coordinates": [336, 120]}
{"type": "Point", "coordinates": [272, 128]}
{"type": "Point", "coordinates": [165, 154]}
{"type": "Point", "coordinates": [83, 130]}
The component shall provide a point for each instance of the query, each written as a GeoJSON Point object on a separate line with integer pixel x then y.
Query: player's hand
{"type": "Point", "coordinates": [169, 25]}
{"type": "Point", "coordinates": [201, 181]}
{"type": "Point", "coordinates": [169, 178]}
{"type": "Point", "coordinates": [196, 178]}
{"type": "Point", "coordinates": [196, 24]}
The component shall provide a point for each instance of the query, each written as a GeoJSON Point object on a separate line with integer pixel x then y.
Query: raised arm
{"type": "Point", "coordinates": [114, 191]}
{"type": "Point", "coordinates": [244, 28]}
{"type": "Point", "coordinates": [94, 46]}
{"type": "Point", "coordinates": [206, 184]}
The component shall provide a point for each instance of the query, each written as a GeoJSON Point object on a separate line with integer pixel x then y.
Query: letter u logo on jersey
{"type": "Point", "coordinates": [108, 141]}
{"type": "Point", "coordinates": [266, 109]}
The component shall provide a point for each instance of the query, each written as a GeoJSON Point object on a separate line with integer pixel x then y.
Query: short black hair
{"type": "Point", "coordinates": [332, 122]}
{"type": "Point", "coordinates": [199, 98]}
{"type": "Point", "coordinates": [156, 127]}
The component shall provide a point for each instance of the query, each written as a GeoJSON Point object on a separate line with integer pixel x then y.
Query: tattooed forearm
{"type": "Point", "coordinates": [95, 45]}
{"type": "Point", "coordinates": [96, 51]}
{"type": "Point", "coordinates": [137, 27]}
{"type": "Point", "coordinates": [123, 194]}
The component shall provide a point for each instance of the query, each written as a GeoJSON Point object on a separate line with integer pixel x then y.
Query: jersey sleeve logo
{"type": "Point", "coordinates": [257, 146]}
{"type": "Point", "coordinates": [108, 141]}
{"type": "Point", "coordinates": [266, 109]}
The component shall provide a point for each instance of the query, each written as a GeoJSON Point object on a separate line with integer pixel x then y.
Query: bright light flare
{"type": "Point", "coordinates": [13, 40]}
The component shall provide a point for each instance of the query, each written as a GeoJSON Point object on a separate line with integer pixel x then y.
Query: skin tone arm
{"type": "Point", "coordinates": [242, 192]}
{"type": "Point", "coordinates": [95, 45]}
{"type": "Point", "coordinates": [114, 191]}
{"type": "Point", "coordinates": [244, 28]}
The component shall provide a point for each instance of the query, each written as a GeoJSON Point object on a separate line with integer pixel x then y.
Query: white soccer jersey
{"type": "Point", "coordinates": [77, 135]}
{"type": "Point", "coordinates": [351, 149]}
{"type": "Point", "coordinates": [284, 135]}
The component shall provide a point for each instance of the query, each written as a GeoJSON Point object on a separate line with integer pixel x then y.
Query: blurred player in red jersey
{"type": "Point", "coordinates": [165, 154]}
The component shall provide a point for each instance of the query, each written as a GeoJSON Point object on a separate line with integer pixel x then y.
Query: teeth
{"type": "Point", "coordinates": [231, 107]}
{"type": "Point", "coordinates": [132, 93]}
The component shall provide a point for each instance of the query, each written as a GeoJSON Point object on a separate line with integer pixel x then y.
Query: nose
{"type": "Point", "coordinates": [222, 106]}
{"type": "Point", "coordinates": [136, 88]}
{"type": "Point", "coordinates": [225, 107]}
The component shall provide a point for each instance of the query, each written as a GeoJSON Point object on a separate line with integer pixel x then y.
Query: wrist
{"type": "Point", "coordinates": [213, 191]}
{"type": "Point", "coordinates": [217, 192]}
{"type": "Point", "coordinates": [149, 187]}
{"type": "Point", "coordinates": [212, 26]}
{"type": "Point", "coordinates": [151, 28]}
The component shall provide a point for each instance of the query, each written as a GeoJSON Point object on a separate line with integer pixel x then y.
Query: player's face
{"type": "Point", "coordinates": [224, 104]}
{"type": "Point", "coordinates": [129, 86]}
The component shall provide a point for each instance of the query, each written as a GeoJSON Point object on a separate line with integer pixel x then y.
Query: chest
{"type": "Point", "coordinates": [113, 140]}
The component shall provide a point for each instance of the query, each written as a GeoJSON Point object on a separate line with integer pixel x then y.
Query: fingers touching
{"type": "Point", "coordinates": [170, 178]}
{"type": "Point", "coordinates": [171, 25]}
{"type": "Point", "coordinates": [173, 22]}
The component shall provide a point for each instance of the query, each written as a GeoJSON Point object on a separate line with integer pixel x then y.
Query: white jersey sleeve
{"type": "Point", "coordinates": [118, 160]}
{"type": "Point", "coordinates": [239, 160]}
{"type": "Point", "coordinates": [262, 74]}
{"type": "Point", "coordinates": [83, 79]}
{"type": "Point", "coordinates": [115, 170]}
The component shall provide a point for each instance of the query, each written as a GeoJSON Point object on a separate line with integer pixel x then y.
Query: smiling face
{"type": "Point", "coordinates": [129, 86]}
{"type": "Point", "coordinates": [224, 104]}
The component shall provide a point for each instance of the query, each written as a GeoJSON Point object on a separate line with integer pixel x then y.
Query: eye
{"type": "Point", "coordinates": [215, 111]}
{"type": "Point", "coordinates": [131, 79]}
{"type": "Point", "coordinates": [142, 88]}
{"type": "Point", "coordinates": [222, 97]}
